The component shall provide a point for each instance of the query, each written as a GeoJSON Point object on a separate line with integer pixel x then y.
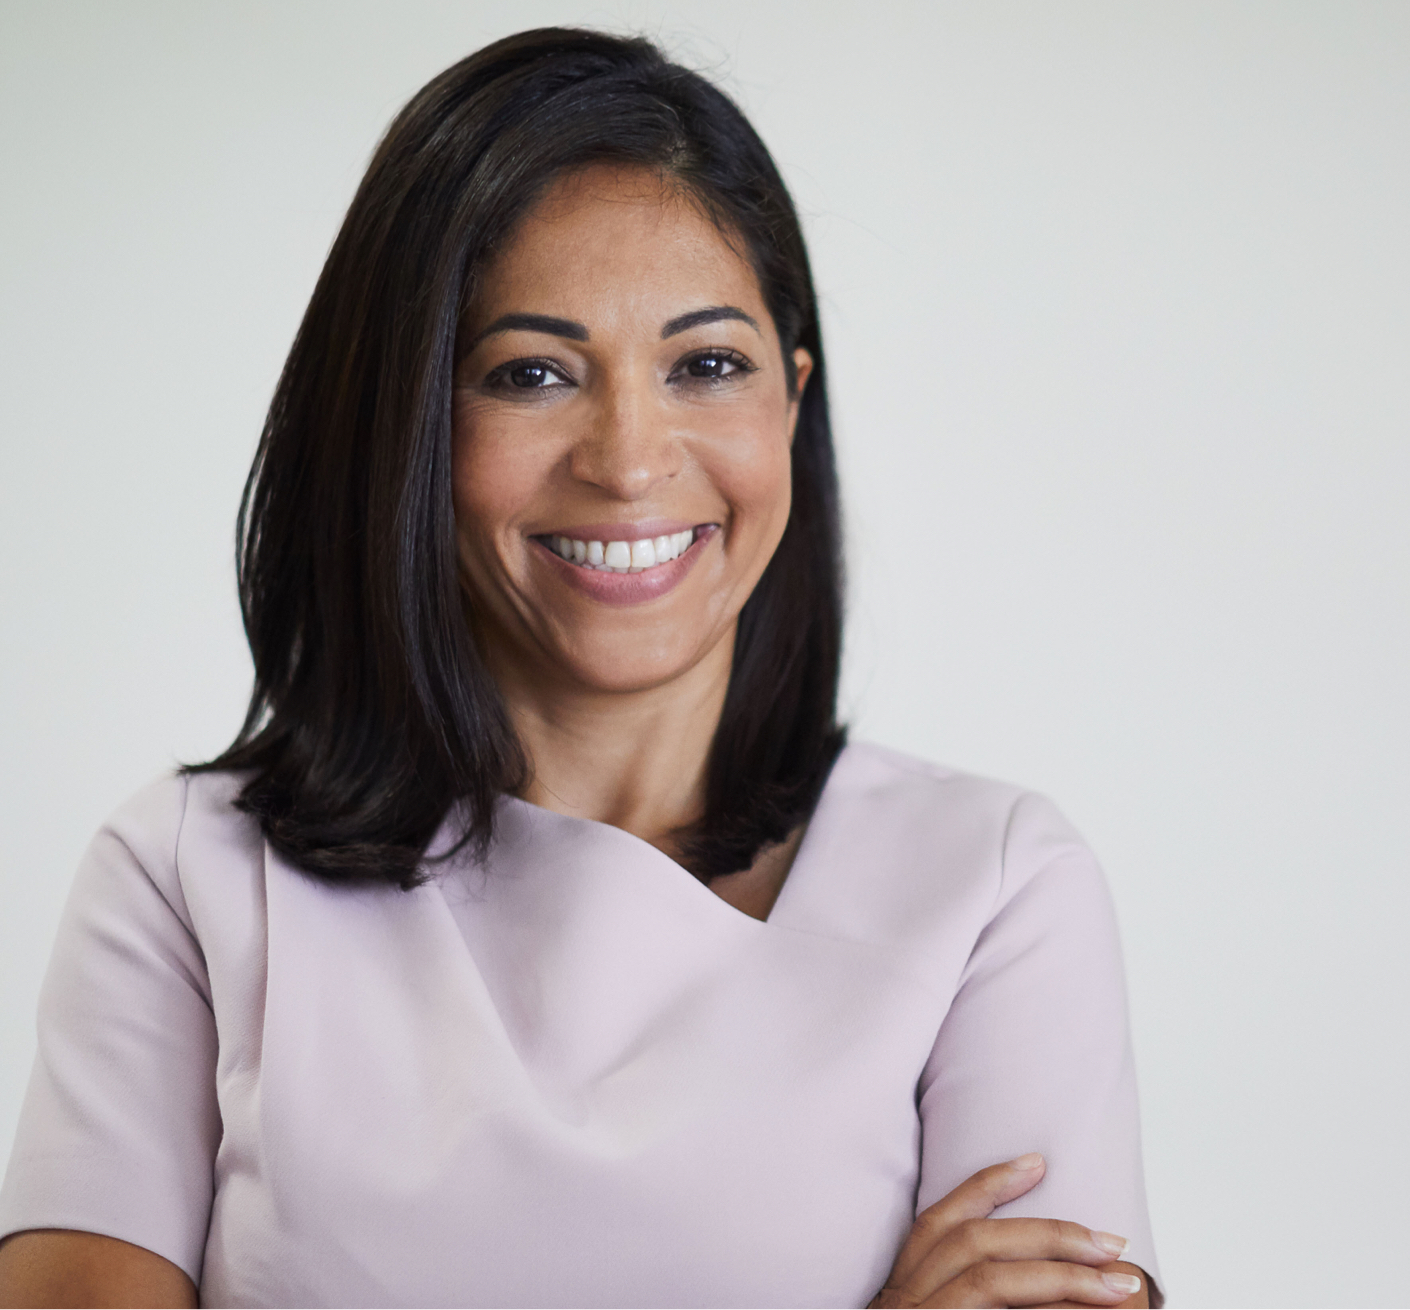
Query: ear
{"type": "Point", "coordinates": [802, 371]}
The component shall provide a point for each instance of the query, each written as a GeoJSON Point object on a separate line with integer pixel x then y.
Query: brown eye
{"type": "Point", "coordinates": [711, 366]}
{"type": "Point", "coordinates": [522, 375]}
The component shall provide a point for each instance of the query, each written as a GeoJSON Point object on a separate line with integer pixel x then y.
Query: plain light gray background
{"type": "Point", "coordinates": [1116, 303]}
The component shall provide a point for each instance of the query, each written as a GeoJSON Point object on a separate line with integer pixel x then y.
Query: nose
{"type": "Point", "coordinates": [628, 448]}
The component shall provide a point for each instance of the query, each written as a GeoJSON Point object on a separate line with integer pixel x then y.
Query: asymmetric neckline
{"type": "Point", "coordinates": [569, 829]}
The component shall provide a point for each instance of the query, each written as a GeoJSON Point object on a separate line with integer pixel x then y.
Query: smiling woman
{"type": "Point", "coordinates": [680, 422]}
{"type": "Point", "coordinates": [538, 941]}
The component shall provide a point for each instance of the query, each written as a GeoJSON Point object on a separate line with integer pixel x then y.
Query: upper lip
{"type": "Point", "coordinates": [639, 531]}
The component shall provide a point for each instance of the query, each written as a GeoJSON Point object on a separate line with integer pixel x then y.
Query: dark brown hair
{"type": "Point", "coordinates": [372, 713]}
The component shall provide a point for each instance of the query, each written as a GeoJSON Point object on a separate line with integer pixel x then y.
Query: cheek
{"type": "Point", "coordinates": [752, 468]}
{"type": "Point", "coordinates": [493, 479]}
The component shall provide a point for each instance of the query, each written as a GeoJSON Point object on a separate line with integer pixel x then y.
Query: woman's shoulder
{"type": "Point", "coordinates": [155, 818]}
{"type": "Point", "coordinates": [178, 825]}
{"type": "Point", "coordinates": [903, 849]}
{"type": "Point", "coordinates": [941, 806]}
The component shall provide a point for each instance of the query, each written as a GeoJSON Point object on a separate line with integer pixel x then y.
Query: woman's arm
{"type": "Point", "coordinates": [120, 1125]}
{"type": "Point", "coordinates": [1034, 1053]}
{"type": "Point", "coordinates": [58, 1267]}
{"type": "Point", "coordinates": [956, 1255]}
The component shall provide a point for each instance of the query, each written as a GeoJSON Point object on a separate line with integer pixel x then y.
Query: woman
{"type": "Point", "coordinates": [538, 941]}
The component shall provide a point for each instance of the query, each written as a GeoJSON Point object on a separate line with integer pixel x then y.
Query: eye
{"type": "Point", "coordinates": [710, 366]}
{"type": "Point", "coordinates": [528, 375]}
{"type": "Point", "coordinates": [715, 365]}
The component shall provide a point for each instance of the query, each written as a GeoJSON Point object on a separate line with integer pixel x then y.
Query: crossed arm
{"type": "Point", "coordinates": [956, 1255]}
{"type": "Point", "coordinates": [59, 1267]}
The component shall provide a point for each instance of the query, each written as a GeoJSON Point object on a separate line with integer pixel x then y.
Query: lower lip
{"type": "Point", "coordinates": [630, 588]}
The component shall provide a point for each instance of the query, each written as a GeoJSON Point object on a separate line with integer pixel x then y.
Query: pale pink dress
{"type": "Point", "coordinates": [576, 1077]}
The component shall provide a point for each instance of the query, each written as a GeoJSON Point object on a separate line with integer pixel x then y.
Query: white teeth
{"type": "Point", "coordinates": [623, 556]}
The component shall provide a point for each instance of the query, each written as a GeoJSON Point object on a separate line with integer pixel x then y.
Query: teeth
{"type": "Point", "coordinates": [623, 556]}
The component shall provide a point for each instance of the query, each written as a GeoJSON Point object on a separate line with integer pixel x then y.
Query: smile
{"type": "Point", "coordinates": [624, 556]}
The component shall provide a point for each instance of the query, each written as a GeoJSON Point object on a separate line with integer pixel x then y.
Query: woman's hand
{"type": "Point", "coordinates": [957, 1256]}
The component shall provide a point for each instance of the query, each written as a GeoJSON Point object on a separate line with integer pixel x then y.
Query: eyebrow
{"type": "Point", "coordinates": [572, 331]}
{"type": "Point", "coordinates": [699, 317]}
{"type": "Point", "coordinates": [554, 327]}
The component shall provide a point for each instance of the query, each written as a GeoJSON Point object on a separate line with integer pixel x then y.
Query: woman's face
{"type": "Point", "coordinates": [622, 425]}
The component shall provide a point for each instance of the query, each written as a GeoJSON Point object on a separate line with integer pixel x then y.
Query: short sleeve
{"type": "Point", "coordinates": [1035, 1052]}
{"type": "Point", "coordinates": [119, 1128]}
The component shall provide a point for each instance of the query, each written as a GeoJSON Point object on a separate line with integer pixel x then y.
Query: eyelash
{"type": "Point", "coordinates": [742, 365]}
{"type": "Point", "coordinates": [498, 378]}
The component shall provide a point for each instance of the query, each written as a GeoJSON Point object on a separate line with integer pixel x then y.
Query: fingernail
{"type": "Point", "coordinates": [1025, 1162]}
{"type": "Point", "coordinates": [1111, 1242]}
{"type": "Point", "coordinates": [1123, 1283]}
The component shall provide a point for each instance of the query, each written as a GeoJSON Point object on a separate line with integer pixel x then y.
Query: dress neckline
{"type": "Point", "coordinates": [541, 817]}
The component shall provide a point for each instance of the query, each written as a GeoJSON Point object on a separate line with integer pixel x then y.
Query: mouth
{"type": "Point", "coordinates": [639, 555]}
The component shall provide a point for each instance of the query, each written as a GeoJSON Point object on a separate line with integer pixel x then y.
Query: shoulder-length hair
{"type": "Point", "coordinates": [373, 715]}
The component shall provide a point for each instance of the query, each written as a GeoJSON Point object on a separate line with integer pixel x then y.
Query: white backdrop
{"type": "Point", "coordinates": [1116, 300]}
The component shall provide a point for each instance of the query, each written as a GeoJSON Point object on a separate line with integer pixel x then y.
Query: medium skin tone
{"type": "Point", "coordinates": [56, 1267]}
{"type": "Point", "coordinates": [621, 379]}
{"type": "Point", "coordinates": [618, 415]}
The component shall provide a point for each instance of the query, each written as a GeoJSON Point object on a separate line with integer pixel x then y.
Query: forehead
{"type": "Point", "coordinates": [614, 240]}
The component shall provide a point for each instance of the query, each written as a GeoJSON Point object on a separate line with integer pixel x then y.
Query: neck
{"type": "Point", "coordinates": [633, 759]}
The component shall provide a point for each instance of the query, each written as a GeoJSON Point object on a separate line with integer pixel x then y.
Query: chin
{"type": "Point", "coordinates": [623, 666]}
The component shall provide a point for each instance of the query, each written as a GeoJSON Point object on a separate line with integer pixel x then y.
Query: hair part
{"type": "Point", "coordinates": [373, 716]}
